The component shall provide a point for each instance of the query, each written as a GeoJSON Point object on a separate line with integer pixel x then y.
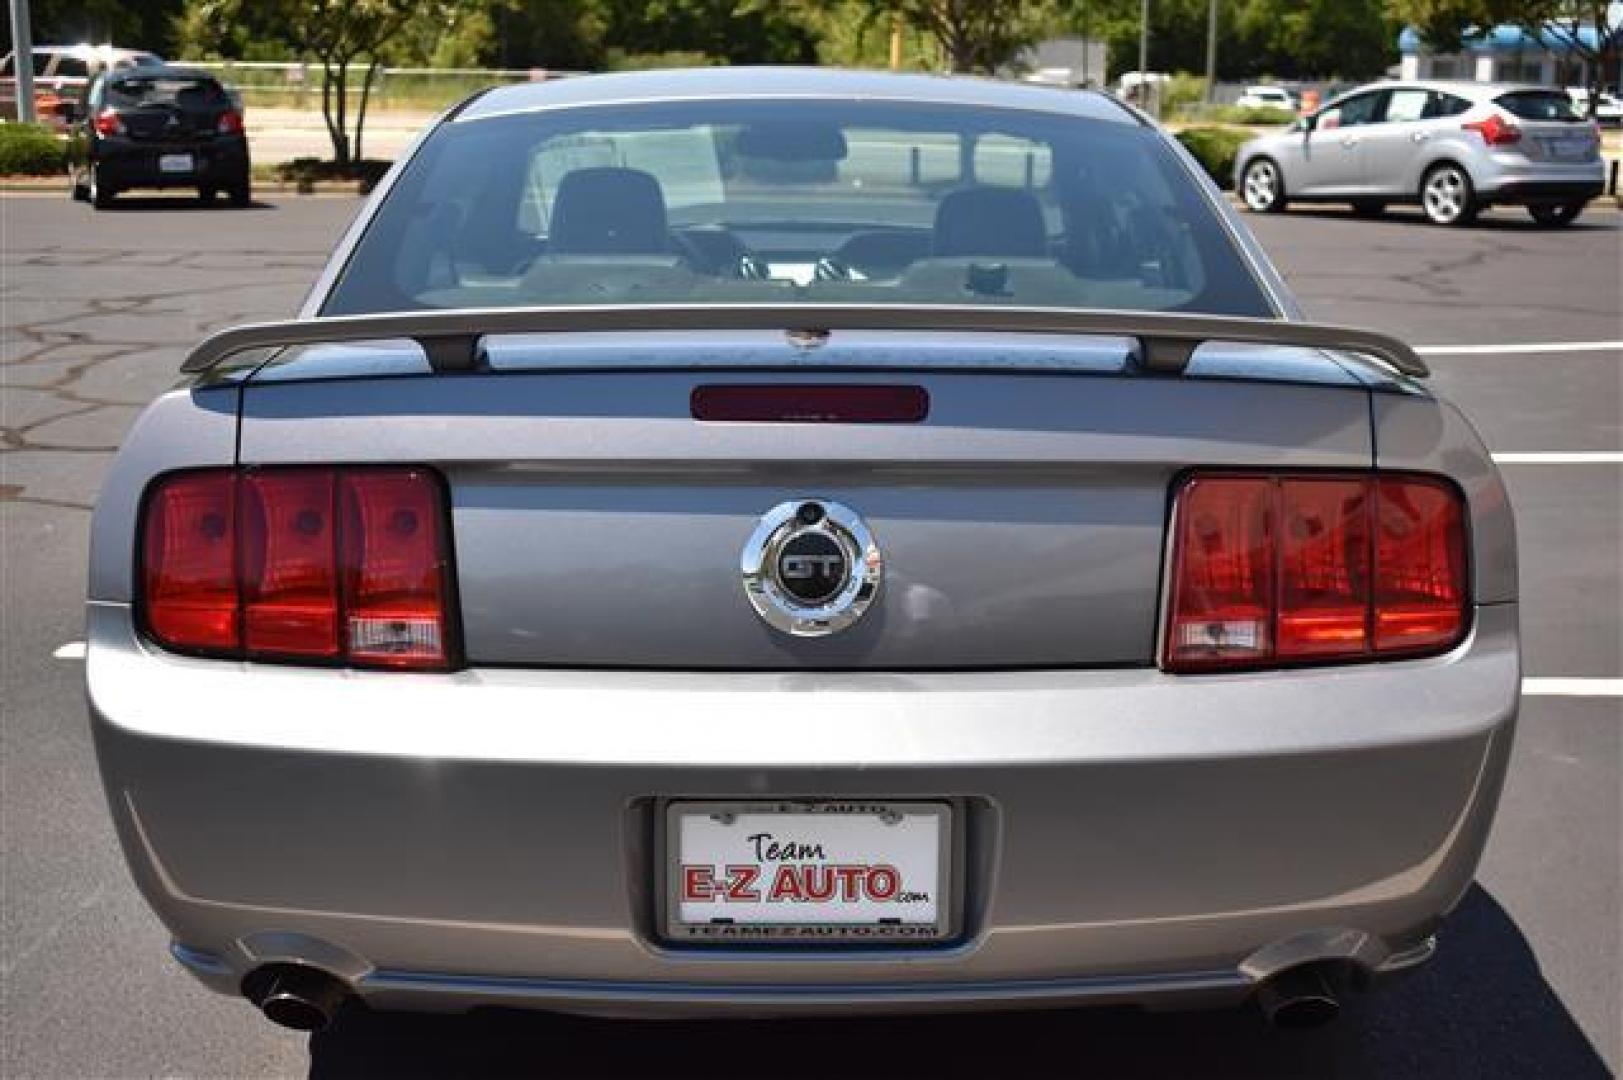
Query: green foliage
{"type": "Point", "coordinates": [31, 150]}
{"type": "Point", "coordinates": [1215, 148]}
{"type": "Point", "coordinates": [144, 24]}
{"type": "Point", "coordinates": [975, 35]}
{"type": "Point", "coordinates": [620, 60]}
{"type": "Point", "coordinates": [1254, 116]}
{"type": "Point", "coordinates": [1181, 91]}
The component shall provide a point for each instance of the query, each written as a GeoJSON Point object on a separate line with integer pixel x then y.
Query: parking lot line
{"type": "Point", "coordinates": [1561, 457]}
{"type": "Point", "coordinates": [1520, 348]}
{"type": "Point", "coordinates": [1609, 688]}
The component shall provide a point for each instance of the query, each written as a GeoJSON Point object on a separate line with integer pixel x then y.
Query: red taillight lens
{"type": "Point", "coordinates": [188, 559]}
{"type": "Point", "coordinates": [290, 580]}
{"type": "Point", "coordinates": [1223, 584]}
{"type": "Point", "coordinates": [394, 568]}
{"type": "Point", "coordinates": [108, 123]}
{"type": "Point", "coordinates": [1495, 130]}
{"type": "Point", "coordinates": [1297, 568]}
{"type": "Point", "coordinates": [1420, 569]}
{"type": "Point", "coordinates": [300, 564]}
{"type": "Point", "coordinates": [230, 123]}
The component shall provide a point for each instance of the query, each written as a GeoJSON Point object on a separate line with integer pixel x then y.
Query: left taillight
{"type": "Point", "coordinates": [1270, 570]}
{"type": "Point", "coordinates": [108, 123]}
{"type": "Point", "coordinates": [345, 565]}
{"type": "Point", "coordinates": [230, 123]}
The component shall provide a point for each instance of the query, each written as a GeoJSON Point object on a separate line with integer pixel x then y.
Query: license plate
{"type": "Point", "coordinates": [175, 163]}
{"type": "Point", "coordinates": [808, 872]}
{"type": "Point", "coordinates": [1568, 149]}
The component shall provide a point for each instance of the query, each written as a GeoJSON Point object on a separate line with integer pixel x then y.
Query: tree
{"type": "Point", "coordinates": [338, 34]}
{"type": "Point", "coordinates": [973, 35]}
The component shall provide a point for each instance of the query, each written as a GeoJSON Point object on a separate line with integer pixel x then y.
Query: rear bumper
{"type": "Point", "coordinates": [486, 837]}
{"type": "Point", "coordinates": [127, 164]}
{"type": "Point", "coordinates": [1542, 182]}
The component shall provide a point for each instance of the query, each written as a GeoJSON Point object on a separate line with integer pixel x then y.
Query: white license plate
{"type": "Point", "coordinates": [174, 163]}
{"type": "Point", "coordinates": [808, 872]}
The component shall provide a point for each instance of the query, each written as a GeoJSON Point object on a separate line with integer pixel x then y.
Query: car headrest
{"type": "Point", "coordinates": [608, 211]}
{"type": "Point", "coordinates": [990, 221]}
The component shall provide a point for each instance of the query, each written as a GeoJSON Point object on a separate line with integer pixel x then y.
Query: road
{"type": "Point", "coordinates": [97, 311]}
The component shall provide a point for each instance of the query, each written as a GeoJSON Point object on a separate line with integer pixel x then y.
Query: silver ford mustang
{"type": "Point", "coordinates": [770, 542]}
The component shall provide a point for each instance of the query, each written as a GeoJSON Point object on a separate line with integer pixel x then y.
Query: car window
{"type": "Point", "coordinates": [1538, 105]}
{"type": "Point", "coordinates": [1352, 112]}
{"type": "Point", "coordinates": [42, 62]}
{"type": "Point", "coordinates": [5, 65]}
{"type": "Point", "coordinates": [797, 200]}
{"type": "Point", "coordinates": [1406, 105]}
{"type": "Point", "coordinates": [132, 91]}
{"type": "Point", "coordinates": [1444, 104]}
{"type": "Point", "coordinates": [71, 67]}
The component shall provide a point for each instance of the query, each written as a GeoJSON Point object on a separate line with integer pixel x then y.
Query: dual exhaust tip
{"type": "Point", "coordinates": [307, 999]}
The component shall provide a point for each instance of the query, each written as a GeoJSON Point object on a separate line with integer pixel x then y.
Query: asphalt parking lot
{"type": "Point", "coordinates": [1524, 329]}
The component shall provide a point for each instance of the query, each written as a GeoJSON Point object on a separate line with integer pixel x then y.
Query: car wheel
{"type": "Point", "coordinates": [205, 195]}
{"type": "Point", "coordinates": [1555, 215]}
{"type": "Point", "coordinates": [1447, 198]}
{"type": "Point", "coordinates": [1368, 207]}
{"type": "Point", "coordinates": [242, 195]}
{"type": "Point", "coordinates": [1262, 187]}
{"type": "Point", "coordinates": [101, 195]}
{"type": "Point", "coordinates": [78, 189]}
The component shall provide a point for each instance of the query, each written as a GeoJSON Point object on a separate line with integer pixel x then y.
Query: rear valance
{"type": "Point", "coordinates": [451, 339]}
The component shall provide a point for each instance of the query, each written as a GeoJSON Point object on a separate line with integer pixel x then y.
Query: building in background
{"type": "Point", "coordinates": [1065, 61]}
{"type": "Point", "coordinates": [1504, 54]}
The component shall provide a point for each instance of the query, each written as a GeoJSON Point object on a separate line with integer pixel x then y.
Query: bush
{"type": "Point", "coordinates": [1260, 116]}
{"type": "Point", "coordinates": [1182, 91]}
{"type": "Point", "coordinates": [31, 150]}
{"type": "Point", "coordinates": [1215, 148]}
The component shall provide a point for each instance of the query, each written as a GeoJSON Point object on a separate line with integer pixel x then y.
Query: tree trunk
{"type": "Point", "coordinates": [360, 113]}
{"type": "Point", "coordinates": [340, 81]}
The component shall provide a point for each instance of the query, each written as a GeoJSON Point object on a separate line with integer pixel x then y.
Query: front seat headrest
{"type": "Point", "coordinates": [608, 211]}
{"type": "Point", "coordinates": [990, 221]}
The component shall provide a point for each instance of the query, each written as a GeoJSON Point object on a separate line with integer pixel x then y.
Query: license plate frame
{"type": "Point", "coordinates": [947, 889]}
{"type": "Point", "coordinates": [177, 164]}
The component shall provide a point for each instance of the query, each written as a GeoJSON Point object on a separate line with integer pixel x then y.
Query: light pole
{"type": "Point", "coordinates": [22, 61]}
{"type": "Point", "coordinates": [1211, 51]}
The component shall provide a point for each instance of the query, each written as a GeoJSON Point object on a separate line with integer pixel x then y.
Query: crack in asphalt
{"type": "Point", "coordinates": [68, 336]}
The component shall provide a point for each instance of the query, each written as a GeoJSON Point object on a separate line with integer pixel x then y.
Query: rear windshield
{"type": "Point", "coordinates": [132, 91]}
{"type": "Point", "coordinates": [796, 201]}
{"type": "Point", "coordinates": [1538, 105]}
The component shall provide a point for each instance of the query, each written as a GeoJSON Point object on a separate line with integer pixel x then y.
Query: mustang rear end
{"type": "Point", "coordinates": [781, 542]}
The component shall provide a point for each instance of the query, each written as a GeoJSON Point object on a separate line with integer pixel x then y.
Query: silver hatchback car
{"type": "Point", "coordinates": [779, 541]}
{"type": "Point", "coordinates": [1454, 148]}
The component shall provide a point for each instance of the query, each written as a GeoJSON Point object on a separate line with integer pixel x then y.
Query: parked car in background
{"type": "Point", "coordinates": [753, 541]}
{"type": "Point", "coordinates": [1608, 107]}
{"type": "Point", "coordinates": [161, 127]}
{"type": "Point", "coordinates": [61, 74]}
{"type": "Point", "coordinates": [1267, 97]}
{"type": "Point", "coordinates": [1454, 148]}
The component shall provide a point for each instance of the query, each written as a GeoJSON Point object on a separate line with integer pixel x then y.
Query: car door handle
{"type": "Point", "coordinates": [1420, 136]}
{"type": "Point", "coordinates": [1349, 141]}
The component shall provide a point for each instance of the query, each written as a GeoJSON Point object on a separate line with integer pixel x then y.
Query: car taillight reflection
{"type": "Point", "coordinates": [345, 565]}
{"type": "Point", "coordinates": [1281, 569]}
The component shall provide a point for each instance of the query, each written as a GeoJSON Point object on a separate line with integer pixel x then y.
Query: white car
{"type": "Point", "coordinates": [1266, 97]}
{"type": "Point", "coordinates": [1608, 110]}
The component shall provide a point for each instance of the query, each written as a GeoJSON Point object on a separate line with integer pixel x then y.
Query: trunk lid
{"type": "Point", "coordinates": [1021, 523]}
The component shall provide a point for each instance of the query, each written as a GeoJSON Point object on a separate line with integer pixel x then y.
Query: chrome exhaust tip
{"type": "Point", "coordinates": [300, 998]}
{"type": "Point", "coordinates": [1298, 998]}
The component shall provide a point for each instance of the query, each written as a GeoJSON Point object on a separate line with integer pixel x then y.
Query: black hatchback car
{"type": "Point", "coordinates": [161, 127]}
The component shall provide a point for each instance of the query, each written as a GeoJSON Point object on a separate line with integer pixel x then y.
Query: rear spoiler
{"type": "Point", "coordinates": [451, 339]}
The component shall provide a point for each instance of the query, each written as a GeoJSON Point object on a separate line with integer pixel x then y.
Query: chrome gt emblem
{"type": "Point", "coordinates": [811, 568]}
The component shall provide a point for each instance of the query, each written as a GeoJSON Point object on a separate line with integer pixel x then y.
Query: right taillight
{"type": "Point", "coordinates": [1271, 570]}
{"type": "Point", "coordinates": [108, 123]}
{"type": "Point", "coordinates": [315, 565]}
{"type": "Point", "coordinates": [1495, 130]}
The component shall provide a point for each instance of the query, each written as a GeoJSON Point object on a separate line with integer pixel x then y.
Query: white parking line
{"type": "Point", "coordinates": [1528, 347]}
{"type": "Point", "coordinates": [1561, 457]}
{"type": "Point", "coordinates": [1573, 687]}
{"type": "Point", "coordinates": [73, 650]}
